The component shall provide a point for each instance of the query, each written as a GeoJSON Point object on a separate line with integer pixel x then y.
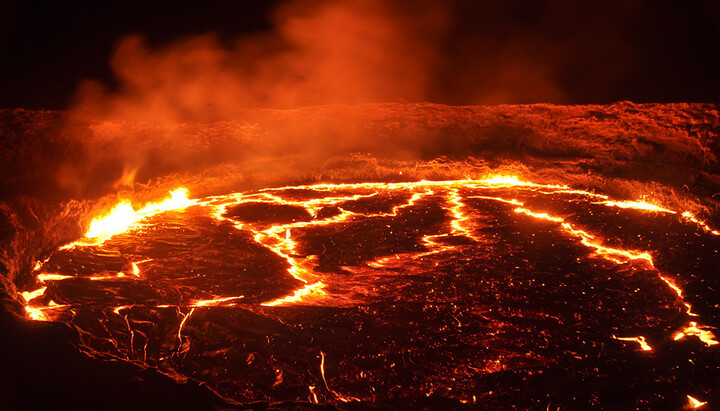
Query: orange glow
{"type": "Point", "coordinates": [695, 403]}
{"type": "Point", "coordinates": [117, 310]}
{"type": "Point", "coordinates": [132, 334]}
{"type": "Point", "coordinates": [136, 269]}
{"type": "Point", "coordinates": [439, 217]}
{"type": "Point", "coordinates": [106, 277]}
{"type": "Point", "coordinates": [613, 254]}
{"type": "Point", "coordinates": [502, 200]}
{"type": "Point", "coordinates": [116, 221]}
{"type": "Point", "coordinates": [279, 238]}
{"type": "Point", "coordinates": [322, 369]}
{"type": "Point", "coordinates": [640, 340]}
{"type": "Point", "coordinates": [506, 180]}
{"type": "Point", "coordinates": [309, 290]}
{"type": "Point", "coordinates": [215, 301]}
{"type": "Point", "coordinates": [456, 209]}
{"type": "Point", "coordinates": [637, 205]}
{"type": "Point", "coordinates": [620, 256]}
{"type": "Point", "coordinates": [38, 313]}
{"type": "Point", "coordinates": [314, 398]}
{"type": "Point", "coordinates": [52, 277]}
{"type": "Point", "coordinates": [182, 325]}
{"type": "Point", "coordinates": [616, 255]}
{"type": "Point", "coordinates": [39, 264]}
{"type": "Point", "coordinates": [123, 218]}
{"type": "Point", "coordinates": [689, 216]}
{"type": "Point", "coordinates": [29, 295]}
{"type": "Point", "coordinates": [542, 216]}
{"type": "Point", "coordinates": [701, 332]}
{"type": "Point", "coordinates": [679, 293]}
{"type": "Point", "coordinates": [337, 396]}
{"type": "Point", "coordinates": [336, 52]}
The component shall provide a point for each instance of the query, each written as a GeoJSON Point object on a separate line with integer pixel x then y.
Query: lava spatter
{"type": "Point", "coordinates": [124, 217]}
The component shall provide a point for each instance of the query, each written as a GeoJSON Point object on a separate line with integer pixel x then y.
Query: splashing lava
{"type": "Point", "coordinates": [335, 293]}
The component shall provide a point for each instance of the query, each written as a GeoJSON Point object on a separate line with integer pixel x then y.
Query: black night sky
{"type": "Point", "coordinates": [591, 52]}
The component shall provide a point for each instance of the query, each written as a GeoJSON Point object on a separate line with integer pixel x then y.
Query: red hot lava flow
{"type": "Point", "coordinates": [451, 291]}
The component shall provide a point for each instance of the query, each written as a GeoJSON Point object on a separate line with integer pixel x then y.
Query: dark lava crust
{"type": "Point", "coordinates": [423, 306]}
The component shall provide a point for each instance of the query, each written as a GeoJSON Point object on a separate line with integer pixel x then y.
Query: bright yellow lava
{"type": "Point", "coordinates": [115, 222]}
{"type": "Point", "coordinates": [215, 301]}
{"type": "Point", "coordinates": [506, 180]}
{"type": "Point", "coordinates": [695, 403]}
{"type": "Point", "coordinates": [52, 277]}
{"type": "Point", "coordinates": [640, 340]}
{"type": "Point", "coordinates": [122, 218]}
{"type": "Point", "coordinates": [315, 289]}
{"type": "Point", "coordinates": [701, 332]}
{"type": "Point", "coordinates": [620, 256]}
{"type": "Point", "coordinates": [689, 216]}
{"type": "Point", "coordinates": [637, 205]}
{"type": "Point", "coordinates": [29, 295]}
{"type": "Point", "coordinates": [38, 313]}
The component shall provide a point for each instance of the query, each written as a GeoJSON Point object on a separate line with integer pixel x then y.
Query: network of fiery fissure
{"type": "Point", "coordinates": [279, 239]}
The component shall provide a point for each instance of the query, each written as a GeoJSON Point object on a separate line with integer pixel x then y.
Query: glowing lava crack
{"type": "Point", "coordinates": [242, 291]}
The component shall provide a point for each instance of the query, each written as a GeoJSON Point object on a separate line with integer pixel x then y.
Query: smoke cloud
{"type": "Point", "coordinates": [360, 51]}
{"type": "Point", "coordinates": [320, 53]}
{"type": "Point", "coordinates": [199, 101]}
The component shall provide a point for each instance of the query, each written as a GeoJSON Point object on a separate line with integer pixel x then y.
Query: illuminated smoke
{"type": "Point", "coordinates": [320, 53]}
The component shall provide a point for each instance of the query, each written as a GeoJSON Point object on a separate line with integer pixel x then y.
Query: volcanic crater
{"type": "Point", "coordinates": [412, 255]}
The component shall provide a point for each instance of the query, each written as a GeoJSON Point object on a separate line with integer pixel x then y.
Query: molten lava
{"type": "Point", "coordinates": [427, 288]}
{"type": "Point", "coordinates": [123, 217]}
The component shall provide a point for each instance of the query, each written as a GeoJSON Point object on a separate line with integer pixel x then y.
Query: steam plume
{"type": "Point", "coordinates": [320, 53]}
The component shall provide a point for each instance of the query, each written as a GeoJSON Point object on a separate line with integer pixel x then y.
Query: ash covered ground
{"type": "Point", "coordinates": [452, 293]}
